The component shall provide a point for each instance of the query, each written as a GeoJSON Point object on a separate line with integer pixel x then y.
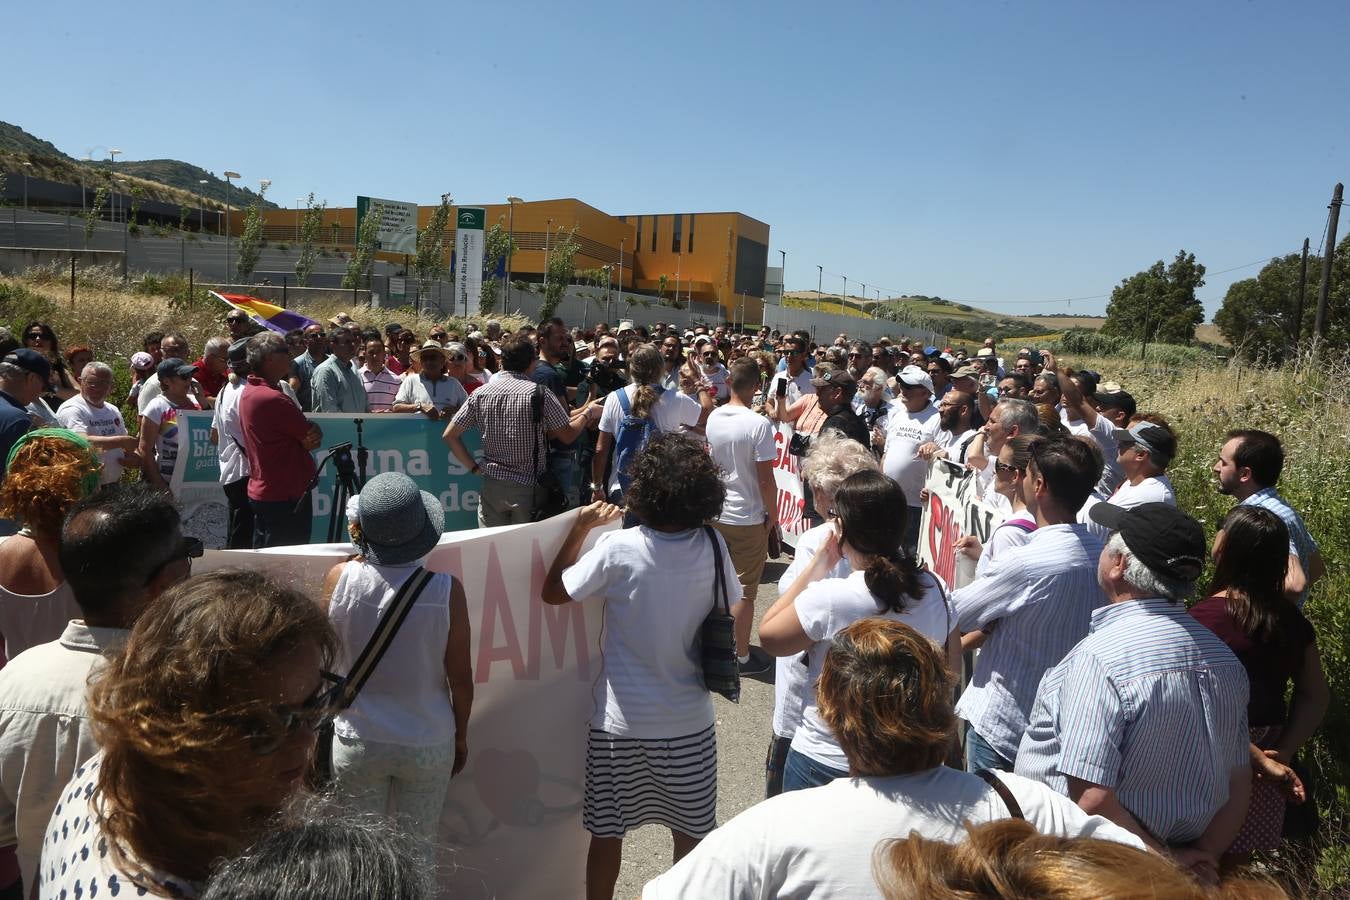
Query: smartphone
{"type": "Point", "coordinates": [782, 387]}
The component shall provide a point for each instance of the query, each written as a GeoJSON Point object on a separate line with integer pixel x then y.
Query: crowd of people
{"type": "Point", "coordinates": [1133, 738]}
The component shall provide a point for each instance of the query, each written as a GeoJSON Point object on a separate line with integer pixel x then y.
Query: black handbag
{"type": "Point", "coordinates": [721, 671]}
{"type": "Point", "coordinates": [321, 771]}
{"type": "Point", "coordinates": [549, 497]}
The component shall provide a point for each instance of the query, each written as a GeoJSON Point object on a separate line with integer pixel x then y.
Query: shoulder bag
{"type": "Point", "coordinates": [549, 497]}
{"type": "Point", "coordinates": [721, 671]}
{"type": "Point", "coordinates": [321, 772]}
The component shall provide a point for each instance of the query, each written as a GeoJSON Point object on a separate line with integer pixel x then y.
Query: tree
{"type": "Point", "coordinates": [662, 283]}
{"type": "Point", "coordinates": [250, 242]}
{"type": "Point", "coordinates": [496, 247]}
{"type": "Point", "coordinates": [1158, 304]}
{"type": "Point", "coordinates": [430, 258]}
{"type": "Point", "coordinates": [1258, 314]}
{"type": "Point", "coordinates": [561, 269]}
{"type": "Point", "coordinates": [132, 224]}
{"type": "Point", "coordinates": [309, 233]}
{"type": "Point", "coordinates": [91, 215]}
{"type": "Point", "coordinates": [362, 262]}
{"type": "Point", "coordinates": [183, 213]}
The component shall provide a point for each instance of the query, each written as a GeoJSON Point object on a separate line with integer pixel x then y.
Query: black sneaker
{"type": "Point", "coordinates": [758, 664]}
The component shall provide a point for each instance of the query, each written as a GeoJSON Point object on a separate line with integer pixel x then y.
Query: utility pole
{"type": "Point", "coordinates": [1328, 254]}
{"type": "Point", "coordinates": [782, 281]}
{"type": "Point", "coordinates": [1302, 288]}
{"type": "Point", "coordinates": [820, 274]}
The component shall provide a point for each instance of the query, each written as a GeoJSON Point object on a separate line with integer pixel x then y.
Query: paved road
{"type": "Point", "coordinates": [742, 740]}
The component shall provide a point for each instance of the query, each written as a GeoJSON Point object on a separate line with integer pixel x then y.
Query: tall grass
{"type": "Point", "coordinates": [1306, 403]}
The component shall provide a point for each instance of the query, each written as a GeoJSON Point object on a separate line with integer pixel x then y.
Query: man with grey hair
{"type": "Point", "coordinates": [213, 369]}
{"type": "Point", "coordinates": [1009, 419]}
{"type": "Point", "coordinates": [1145, 720]}
{"type": "Point", "coordinates": [100, 422]}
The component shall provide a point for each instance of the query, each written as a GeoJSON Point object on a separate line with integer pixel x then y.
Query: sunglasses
{"type": "Point", "coordinates": [190, 548]}
{"type": "Point", "coordinates": [236, 320]}
{"type": "Point", "coordinates": [1000, 466]}
{"type": "Point", "coordinates": [36, 336]}
{"type": "Point", "coordinates": [272, 729]}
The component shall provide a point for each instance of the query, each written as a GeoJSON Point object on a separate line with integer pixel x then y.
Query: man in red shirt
{"type": "Point", "coordinates": [278, 440]}
{"type": "Point", "coordinates": [212, 368]}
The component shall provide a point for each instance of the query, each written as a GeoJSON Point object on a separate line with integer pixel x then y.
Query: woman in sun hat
{"type": "Point", "coordinates": [406, 734]}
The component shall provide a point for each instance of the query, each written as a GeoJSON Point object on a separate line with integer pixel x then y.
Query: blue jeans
{"type": "Point", "coordinates": [979, 755]}
{"type": "Point", "coordinates": [563, 465]}
{"type": "Point", "coordinates": [801, 772]}
{"type": "Point", "coordinates": [277, 523]}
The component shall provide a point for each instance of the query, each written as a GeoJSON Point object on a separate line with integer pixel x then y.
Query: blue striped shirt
{"type": "Point", "coordinates": [1152, 705]}
{"type": "Point", "coordinates": [1301, 543]}
{"type": "Point", "coordinates": [1042, 595]}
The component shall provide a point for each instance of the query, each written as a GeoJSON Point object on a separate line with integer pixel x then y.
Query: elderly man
{"type": "Point", "coordinates": [1145, 720]}
{"type": "Point", "coordinates": [100, 422]}
{"type": "Point", "coordinates": [859, 358]}
{"type": "Point", "coordinates": [120, 549]}
{"type": "Point", "coordinates": [212, 369]}
{"type": "Point", "coordinates": [1010, 418]}
{"type": "Point", "coordinates": [1248, 469]}
{"type": "Point", "coordinates": [1145, 450]}
{"type": "Point", "coordinates": [912, 422]}
{"type": "Point", "coordinates": [432, 392]}
{"type": "Point", "coordinates": [1041, 595]}
{"type": "Point", "coordinates": [336, 386]}
{"type": "Point", "coordinates": [23, 378]}
{"type": "Point", "coordinates": [277, 440]}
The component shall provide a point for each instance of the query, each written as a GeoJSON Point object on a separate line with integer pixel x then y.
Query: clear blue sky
{"type": "Point", "coordinates": [978, 151]}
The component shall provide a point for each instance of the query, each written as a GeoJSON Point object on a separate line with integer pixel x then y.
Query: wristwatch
{"type": "Point", "coordinates": [593, 487]}
{"type": "Point", "coordinates": [475, 469]}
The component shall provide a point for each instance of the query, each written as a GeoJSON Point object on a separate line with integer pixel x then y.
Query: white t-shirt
{"type": "Point", "coordinates": [229, 433]}
{"type": "Point", "coordinates": [446, 393]}
{"type": "Point", "coordinates": [791, 686]}
{"type": "Point", "coordinates": [819, 842]}
{"type": "Point", "coordinates": [717, 377]}
{"type": "Point", "coordinates": [828, 607]}
{"type": "Point", "coordinates": [1112, 474]}
{"type": "Point", "coordinates": [1004, 538]}
{"type": "Point", "coordinates": [163, 413]}
{"type": "Point", "coordinates": [798, 386]}
{"type": "Point", "coordinates": [956, 445]}
{"type": "Point", "coordinates": [1128, 496]}
{"type": "Point", "coordinates": [105, 421]}
{"type": "Point", "coordinates": [672, 411]}
{"type": "Point", "coordinates": [738, 439]}
{"type": "Point", "coordinates": [905, 433]}
{"type": "Point", "coordinates": [658, 589]}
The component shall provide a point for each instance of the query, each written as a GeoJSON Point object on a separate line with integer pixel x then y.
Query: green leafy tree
{"type": "Point", "coordinates": [430, 258]}
{"type": "Point", "coordinates": [183, 213]}
{"type": "Point", "coordinates": [3, 201]}
{"type": "Point", "coordinates": [309, 233]}
{"type": "Point", "coordinates": [251, 241]}
{"type": "Point", "coordinates": [133, 223]}
{"type": "Point", "coordinates": [561, 268]}
{"type": "Point", "coordinates": [662, 283]}
{"type": "Point", "coordinates": [362, 262]}
{"type": "Point", "coordinates": [335, 227]}
{"type": "Point", "coordinates": [1158, 304]}
{"type": "Point", "coordinates": [1258, 314]}
{"type": "Point", "coordinates": [496, 247]}
{"type": "Point", "coordinates": [91, 215]}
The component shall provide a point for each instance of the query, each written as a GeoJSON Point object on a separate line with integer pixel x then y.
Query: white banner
{"type": "Point", "coordinates": [512, 820]}
{"type": "Point", "coordinates": [787, 477]}
{"type": "Point", "coordinates": [954, 510]}
{"type": "Point", "coordinates": [398, 223]}
{"type": "Point", "coordinates": [469, 221]}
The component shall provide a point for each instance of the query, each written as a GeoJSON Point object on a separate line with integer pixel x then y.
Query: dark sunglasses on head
{"type": "Point", "coordinates": [272, 729]}
{"type": "Point", "coordinates": [1000, 466]}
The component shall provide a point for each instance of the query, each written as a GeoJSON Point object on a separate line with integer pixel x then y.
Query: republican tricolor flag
{"type": "Point", "coordinates": [266, 314]}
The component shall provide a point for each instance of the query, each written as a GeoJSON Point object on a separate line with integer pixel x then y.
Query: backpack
{"type": "Point", "coordinates": [634, 433]}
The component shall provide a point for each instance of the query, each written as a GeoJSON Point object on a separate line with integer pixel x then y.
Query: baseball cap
{"type": "Point", "coordinates": [175, 366]}
{"type": "Point", "coordinates": [142, 360]}
{"type": "Point", "coordinates": [1162, 537]}
{"type": "Point", "coordinates": [30, 361]}
{"type": "Point", "coordinates": [1158, 441]}
{"type": "Point", "coordinates": [1116, 400]}
{"type": "Point", "coordinates": [968, 372]}
{"type": "Point", "coordinates": [625, 325]}
{"type": "Point", "coordinates": [430, 344]}
{"type": "Point", "coordinates": [237, 354]}
{"type": "Point", "coordinates": [930, 351]}
{"type": "Point", "coordinates": [827, 375]}
{"type": "Point", "coordinates": [912, 376]}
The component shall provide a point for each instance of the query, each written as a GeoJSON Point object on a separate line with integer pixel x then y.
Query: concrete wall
{"type": "Point", "coordinates": [14, 260]}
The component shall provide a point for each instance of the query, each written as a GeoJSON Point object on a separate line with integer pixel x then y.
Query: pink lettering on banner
{"type": "Point", "coordinates": [943, 533]}
{"type": "Point", "coordinates": [558, 619]}
{"type": "Point", "coordinates": [497, 605]}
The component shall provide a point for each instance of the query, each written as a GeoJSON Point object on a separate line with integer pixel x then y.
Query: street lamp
{"type": "Point", "coordinates": [228, 176]}
{"type": "Point", "coordinates": [116, 200]}
{"type": "Point", "coordinates": [511, 239]}
{"type": "Point", "coordinates": [547, 228]}
{"type": "Point", "coordinates": [820, 274]}
{"type": "Point", "coordinates": [782, 281]}
{"type": "Point", "coordinates": [622, 241]}
{"type": "Point", "coordinates": [201, 205]}
{"type": "Point", "coordinates": [26, 166]}
{"type": "Point", "coordinates": [298, 201]}
{"type": "Point", "coordinates": [84, 197]}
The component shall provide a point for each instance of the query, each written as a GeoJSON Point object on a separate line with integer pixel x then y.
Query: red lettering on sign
{"type": "Point", "coordinates": [558, 619]}
{"type": "Point", "coordinates": [497, 605]}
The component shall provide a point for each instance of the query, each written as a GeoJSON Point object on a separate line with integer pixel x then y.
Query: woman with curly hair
{"type": "Point", "coordinates": [61, 385]}
{"type": "Point", "coordinates": [206, 718]}
{"type": "Point", "coordinates": [49, 471]}
{"type": "Point", "coordinates": [651, 755]}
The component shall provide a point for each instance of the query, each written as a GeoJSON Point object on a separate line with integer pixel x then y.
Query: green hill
{"type": "Point", "coordinates": [178, 182]}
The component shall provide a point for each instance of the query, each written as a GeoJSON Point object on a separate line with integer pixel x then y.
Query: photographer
{"type": "Point", "coordinates": [277, 440]}
{"type": "Point", "coordinates": [605, 374]}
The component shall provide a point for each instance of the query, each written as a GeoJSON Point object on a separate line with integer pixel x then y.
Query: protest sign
{"type": "Point", "coordinates": [397, 442]}
{"type": "Point", "coordinates": [954, 510]}
{"type": "Point", "coordinates": [787, 477]}
{"type": "Point", "coordinates": [511, 826]}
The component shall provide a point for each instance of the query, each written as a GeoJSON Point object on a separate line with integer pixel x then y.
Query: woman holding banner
{"type": "Point", "coordinates": [868, 519]}
{"type": "Point", "coordinates": [651, 754]}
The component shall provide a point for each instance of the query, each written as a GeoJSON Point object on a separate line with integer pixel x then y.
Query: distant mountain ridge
{"type": "Point", "coordinates": [172, 173]}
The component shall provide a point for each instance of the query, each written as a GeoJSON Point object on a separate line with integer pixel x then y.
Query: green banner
{"type": "Point", "coordinates": [397, 442]}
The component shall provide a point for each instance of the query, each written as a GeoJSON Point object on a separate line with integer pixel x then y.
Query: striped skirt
{"type": "Point", "coordinates": [635, 781]}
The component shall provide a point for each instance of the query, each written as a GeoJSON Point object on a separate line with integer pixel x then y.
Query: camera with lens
{"type": "Point", "coordinates": [608, 375]}
{"type": "Point", "coordinates": [342, 458]}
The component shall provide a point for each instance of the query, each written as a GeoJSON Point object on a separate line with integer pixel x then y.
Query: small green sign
{"type": "Point", "coordinates": [470, 218]}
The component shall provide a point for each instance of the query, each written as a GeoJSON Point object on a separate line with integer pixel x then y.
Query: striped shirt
{"type": "Point", "coordinates": [1301, 542]}
{"type": "Point", "coordinates": [1153, 705]}
{"type": "Point", "coordinates": [1042, 594]}
{"type": "Point", "coordinates": [380, 387]}
{"type": "Point", "coordinates": [503, 412]}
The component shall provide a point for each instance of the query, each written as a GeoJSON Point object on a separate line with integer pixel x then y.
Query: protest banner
{"type": "Point", "coordinates": [397, 442]}
{"type": "Point", "coordinates": [787, 478]}
{"type": "Point", "coordinates": [511, 826]}
{"type": "Point", "coordinates": [954, 510]}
